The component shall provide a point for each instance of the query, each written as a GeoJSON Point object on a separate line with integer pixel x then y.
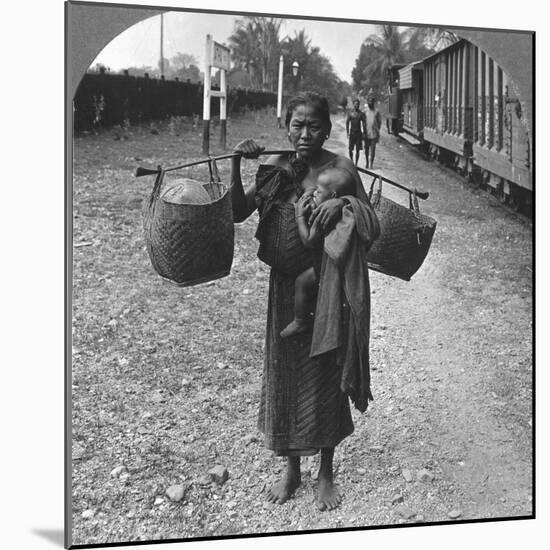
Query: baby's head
{"type": "Point", "coordinates": [333, 182]}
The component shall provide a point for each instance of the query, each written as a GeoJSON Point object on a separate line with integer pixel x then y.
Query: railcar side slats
{"type": "Point", "coordinates": [463, 106]}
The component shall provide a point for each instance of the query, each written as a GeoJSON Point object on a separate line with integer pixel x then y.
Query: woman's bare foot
{"type": "Point", "coordinates": [328, 497]}
{"type": "Point", "coordinates": [284, 489]}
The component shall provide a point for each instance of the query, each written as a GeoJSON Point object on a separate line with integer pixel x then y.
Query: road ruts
{"type": "Point", "coordinates": [451, 353]}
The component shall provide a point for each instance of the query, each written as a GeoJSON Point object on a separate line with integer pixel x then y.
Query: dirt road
{"type": "Point", "coordinates": [452, 353]}
{"type": "Point", "coordinates": [166, 380]}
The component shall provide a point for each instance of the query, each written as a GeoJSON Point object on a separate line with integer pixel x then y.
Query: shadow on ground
{"type": "Point", "coordinates": [53, 535]}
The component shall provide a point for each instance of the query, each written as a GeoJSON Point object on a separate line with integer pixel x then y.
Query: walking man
{"type": "Point", "coordinates": [373, 123]}
{"type": "Point", "coordinates": [355, 126]}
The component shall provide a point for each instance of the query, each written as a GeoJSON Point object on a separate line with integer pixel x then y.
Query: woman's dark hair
{"type": "Point", "coordinates": [317, 101]}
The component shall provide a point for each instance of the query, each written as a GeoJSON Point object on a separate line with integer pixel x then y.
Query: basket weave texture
{"type": "Point", "coordinates": [405, 237]}
{"type": "Point", "coordinates": [190, 244]}
{"type": "Point", "coordinates": [280, 246]}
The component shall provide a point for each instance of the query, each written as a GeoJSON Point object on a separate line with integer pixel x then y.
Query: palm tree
{"type": "Point", "coordinates": [391, 46]}
{"type": "Point", "coordinates": [432, 38]}
{"type": "Point", "coordinates": [268, 36]}
{"type": "Point", "coordinates": [316, 72]}
{"type": "Point", "coordinates": [255, 48]}
{"type": "Point", "coordinates": [295, 49]}
{"type": "Point", "coordinates": [244, 48]}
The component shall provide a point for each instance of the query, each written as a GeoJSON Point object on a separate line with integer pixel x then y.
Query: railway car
{"type": "Point", "coordinates": [448, 102]}
{"type": "Point", "coordinates": [462, 107]}
{"type": "Point", "coordinates": [411, 90]}
{"type": "Point", "coordinates": [501, 147]}
{"type": "Point", "coordinates": [394, 117]}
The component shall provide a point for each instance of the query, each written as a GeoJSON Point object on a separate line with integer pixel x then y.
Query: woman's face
{"type": "Point", "coordinates": [307, 131]}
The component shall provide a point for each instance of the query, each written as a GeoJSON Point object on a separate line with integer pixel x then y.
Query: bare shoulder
{"type": "Point", "coordinates": [344, 162]}
{"type": "Point", "coordinates": [347, 164]}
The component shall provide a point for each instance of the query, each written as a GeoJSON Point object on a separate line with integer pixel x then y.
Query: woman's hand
{"type": "Point", "coordinates": [328, 213]}
{"type": "Point", "coordinates": [248, 148]}
{"type": "Point", "coordinates": [243, 202]}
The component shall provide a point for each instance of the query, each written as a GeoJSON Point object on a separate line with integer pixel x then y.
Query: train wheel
{"type": "Point", "coordinates": [425, 150]}
{"type": "Point", "coordinates": [447, 158]}
{"type": "Point", "coordinates": [459, 165]}
{"type": "Point", "coordinates": [484, 181]}
{"type": "Point", "coordinates": [514, 203]}
{"type": "Point", "coordinates": [527, 204]}
{"type": "Point", "coordinates": [516, 200]}
{"type": "Point", "coordinates": [474, 174]}
{"type": "Point", "coordinates": [504, 191]}
{"type": "Point", "coordinates": [469, 172]}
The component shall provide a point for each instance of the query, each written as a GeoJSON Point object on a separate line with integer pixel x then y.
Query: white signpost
{"type": "Point", "coordinates": [280, 92]}
{"type": "Point", "coordinates": [217, 55]}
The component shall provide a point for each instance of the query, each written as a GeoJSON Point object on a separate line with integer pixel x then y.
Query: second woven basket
{"type": "Point", "coordinates": [405, 236]}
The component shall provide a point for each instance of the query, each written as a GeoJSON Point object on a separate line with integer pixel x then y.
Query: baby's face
{"type": "Point", "coordinates": [322, 191]}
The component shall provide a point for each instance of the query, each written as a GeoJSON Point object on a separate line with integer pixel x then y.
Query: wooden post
{"type": "Point", "coordinates": [217, 55]}
{"type": "Point", "coordinates": [280, 92]}
{"type": "Point", "coordinates": [161, 45]}
{"type": "Point", "coordinates": [206, 96]}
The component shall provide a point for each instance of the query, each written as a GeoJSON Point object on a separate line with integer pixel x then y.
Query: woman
{"type": "Point", "coordinates": [302, 407]}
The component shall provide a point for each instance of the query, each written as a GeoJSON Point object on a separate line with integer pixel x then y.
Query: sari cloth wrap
{"type": "Point", "coordinates": [302, 408]}
{"type": "Point", "coordinates": [342, 313]}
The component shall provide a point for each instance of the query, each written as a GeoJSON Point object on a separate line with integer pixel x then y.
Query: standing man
{"type": "Point", "coordinates": [373, 123]}
{"type": "Point", "coordinates": [355, 125]}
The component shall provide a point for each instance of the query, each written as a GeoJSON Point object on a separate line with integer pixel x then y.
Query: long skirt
{"type": "Point", "coordinates": [302, 408]}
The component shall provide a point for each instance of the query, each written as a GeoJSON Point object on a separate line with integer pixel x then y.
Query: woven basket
{"type": "Point", "coordinates": [280, 245]}
{"type": "Point", "coordinates": [405, 236]}
{"type": "Point", "coordinates": [190, 244]}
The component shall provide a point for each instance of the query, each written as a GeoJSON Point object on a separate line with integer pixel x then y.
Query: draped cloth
{"type": "Point", "coordinates": [342, 314]}
{"type": "Point", "coordinates": [302, 407]}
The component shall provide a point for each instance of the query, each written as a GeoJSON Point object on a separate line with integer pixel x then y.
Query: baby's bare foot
{"type": "Point", "coordinates": [283, 489]}
{"type": "Point", "coordinates": [328, 496]}
{"type": "Point", "coordinates": [295, 327]}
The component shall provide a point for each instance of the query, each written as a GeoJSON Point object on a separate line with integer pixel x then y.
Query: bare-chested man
{"type": "Point", "coordinates": [373, 122]}
{"type": "Point", "coordinates": [355, 127]}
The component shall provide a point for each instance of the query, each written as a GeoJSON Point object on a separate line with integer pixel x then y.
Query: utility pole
{"type": "Point", "coordinates": [161, 45]}
{"type": "Point", "coordinates": [280, 92]}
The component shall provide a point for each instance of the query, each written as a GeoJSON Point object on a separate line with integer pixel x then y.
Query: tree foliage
{"type": "Point", "coordinates": [256, 48]}
{"type": "Point", "coordinates": [433, 38]}
{"type": "Point", "coordinates": [391, 45]}
{"type": "Point", "coordinates": [317, 74]}
{"type": "Point", "coordinates": [182, 66]}
{"type": "Point", "coordinates": [185, 67]}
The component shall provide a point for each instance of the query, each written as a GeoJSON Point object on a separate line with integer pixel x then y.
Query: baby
{"type": "Point", "coordinates": [331, 183]}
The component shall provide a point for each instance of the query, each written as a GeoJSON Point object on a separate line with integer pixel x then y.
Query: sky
{"type": "Point", "coordinates": [186, 32]}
